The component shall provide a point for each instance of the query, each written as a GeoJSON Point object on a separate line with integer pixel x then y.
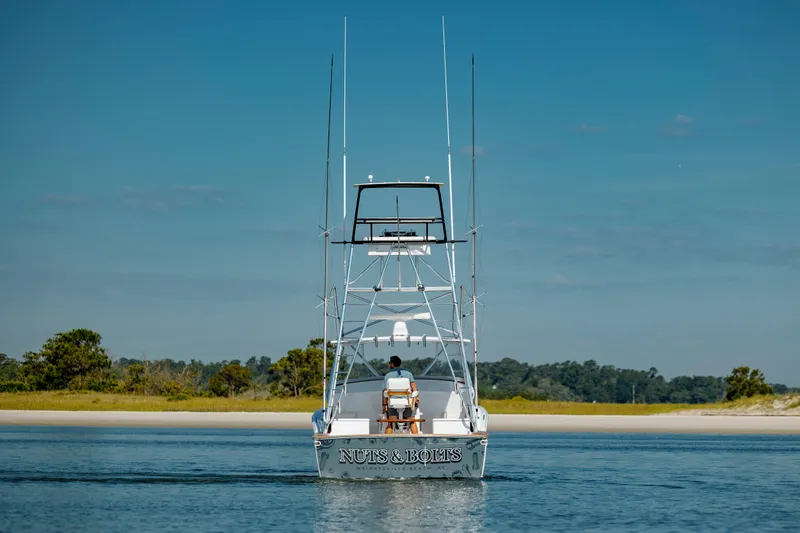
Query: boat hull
{"type": "Point", "coordinates": [401, 456]}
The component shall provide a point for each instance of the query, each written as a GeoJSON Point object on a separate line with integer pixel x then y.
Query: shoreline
{"type": "Point", "coordinates": [662, 423]}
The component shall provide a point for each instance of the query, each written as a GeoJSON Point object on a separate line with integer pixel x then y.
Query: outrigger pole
{"type": "Point", "coordinates": [327, 236]}
{"type": "Point", "coordinates": [339, 348]}
{"type": "Point", "coordinates": [344, 155]}
{"type": "Point", "coordinates": [474, 232]}
{"type": "Point", "coordinates": [449, 164]}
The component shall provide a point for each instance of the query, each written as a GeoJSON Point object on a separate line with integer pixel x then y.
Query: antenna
{"type": "Point", "coordinates": [474, 237]}
{"type": "Point", "coordinates": [344, 154]}
{"type": "Point", "coordinates": [327, 236]}
{"type": "Point", "coordinates": [449, 165]}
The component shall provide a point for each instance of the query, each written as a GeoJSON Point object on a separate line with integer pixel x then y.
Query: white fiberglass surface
{"type": "Point", "coordinates": [438, 399]}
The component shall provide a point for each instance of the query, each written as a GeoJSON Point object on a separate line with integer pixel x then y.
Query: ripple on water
{"type": "Point", "coordinates": [120, 479]}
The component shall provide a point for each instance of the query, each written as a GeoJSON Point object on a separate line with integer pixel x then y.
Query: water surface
{"type": "Point", "coordinates": [120, 479]}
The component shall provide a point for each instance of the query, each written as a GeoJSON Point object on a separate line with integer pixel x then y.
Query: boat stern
{"type": "Point", "coordinates": [401, 456]}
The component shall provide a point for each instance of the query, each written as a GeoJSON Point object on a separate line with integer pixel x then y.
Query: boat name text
{"type": "Point", "coordinates": [380, 456]}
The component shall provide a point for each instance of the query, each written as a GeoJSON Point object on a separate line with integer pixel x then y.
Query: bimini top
{"type": "Point", "coordinates": [401, 229]}
{"type": "Point", "coordinates": [398, 184]}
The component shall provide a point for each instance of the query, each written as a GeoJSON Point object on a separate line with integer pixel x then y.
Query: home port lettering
{"type": "Point", "coordinates": [382, 456]}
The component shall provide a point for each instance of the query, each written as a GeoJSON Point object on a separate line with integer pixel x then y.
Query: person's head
{"type": "Point", "coordinates": [395, 362]}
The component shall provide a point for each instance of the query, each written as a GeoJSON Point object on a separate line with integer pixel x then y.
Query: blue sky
{"type": "Point", "coordinates": [162, 168]}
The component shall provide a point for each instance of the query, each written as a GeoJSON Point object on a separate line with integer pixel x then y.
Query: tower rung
{"type": "Point", "coordinates": [389, 339]}
{"type": "Point", "coordinates": [401, 289]}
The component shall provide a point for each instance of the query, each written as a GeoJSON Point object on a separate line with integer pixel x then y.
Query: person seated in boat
{"type": "Point", "coordinates": [396, 371]}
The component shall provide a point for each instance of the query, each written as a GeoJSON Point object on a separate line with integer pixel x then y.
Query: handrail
{"type": "Point", "coordinates": [394, 220]}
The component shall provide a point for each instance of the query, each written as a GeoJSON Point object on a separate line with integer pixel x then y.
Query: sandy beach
{"type": "Point", "coordinates": [681, 423]}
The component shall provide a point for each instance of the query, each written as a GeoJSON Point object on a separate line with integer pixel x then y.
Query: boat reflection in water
{"type": "Point", "coordinates": [411, 505]}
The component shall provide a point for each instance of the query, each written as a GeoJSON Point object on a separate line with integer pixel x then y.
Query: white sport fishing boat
{"type": "Point", "coordinates": [438, 430]}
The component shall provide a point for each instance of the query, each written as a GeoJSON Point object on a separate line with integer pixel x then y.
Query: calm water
{"type": "Point", "coordinates": [112, 479]}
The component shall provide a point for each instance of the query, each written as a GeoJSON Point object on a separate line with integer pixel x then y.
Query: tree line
{"type": "Point", "coordinates": [76, 360]}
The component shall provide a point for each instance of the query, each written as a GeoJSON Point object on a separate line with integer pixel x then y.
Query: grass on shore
{"type": "Point", "coordinates": [529, 407]}
{"type": "Point", "coordinates": [769, 403]}
{"type": "Point", "coordinates": [94, 401]}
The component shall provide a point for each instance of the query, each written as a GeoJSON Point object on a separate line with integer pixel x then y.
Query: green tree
{"type": "Point", "coordinates": [231, 380]}
{"type": "Point", "coordinates": [745, 383]}
{"type": "Point", "coordinates": [299, 372]}
{"type": "Point", "coordinates": [259, 366]}
{"type": "Point", "coordinates": [8, 368]}
{"type": "Point", "coordinates": [9, 374]}
{"type": "Point", "coordinates": [72, 359]}
{"type": "Point", "coordinates": [135, 379]}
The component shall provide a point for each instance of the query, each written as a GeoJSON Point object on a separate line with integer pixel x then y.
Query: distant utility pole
{"type": "Point", "coordinates": [633, 399]}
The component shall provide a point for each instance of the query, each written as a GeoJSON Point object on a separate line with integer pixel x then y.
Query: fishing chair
{"type": "Point", "coordinates": [398, 395]}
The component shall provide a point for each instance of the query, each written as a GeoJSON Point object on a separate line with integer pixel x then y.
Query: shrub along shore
{"type": "Point", "coordinates": [95, 401]}
{"type": "Point", "coordinates": [72, 371]}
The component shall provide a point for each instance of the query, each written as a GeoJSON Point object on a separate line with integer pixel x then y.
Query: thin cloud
{"type": "Point", "coordinates": [285, 235]}
{"type": "Point", "coordinates": [652, 244]}
{"type": "Point", "coordinates": [158, 200]}
{"type": "Point", "coordinates": [680, 126]}
{"type": "Point", "coordinates": [67, 199]}
{"type": "Point", "coordinates": [161, 287]}
{"type": "Point", "coordinates": [467, 150]}
{"type": "Point", "coordinates": [197, 189]}
{"type": "Point", "coordinates": [591, 128]}
{"type": "Point", "coordinates": [783, 254]}
{"type": "Point", "coordinates": [584, 252]}
{"type": "Point", "coordinates": [754, 120]}
{"type": "Point", "coordinates": [112, 292]}
{"type": "Point", "coordinates": [176, 197]}
{"type": "Point", "coordinates": [561, 282]}
{"type": "Point", "coordinates": [523, 225]}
